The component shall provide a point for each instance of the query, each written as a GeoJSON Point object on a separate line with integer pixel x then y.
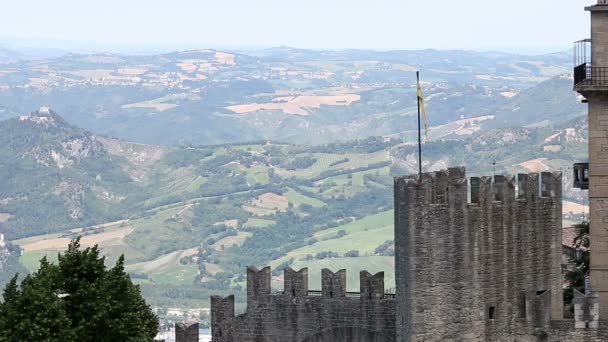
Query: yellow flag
{"type": "Point", "coordinates": [423, 110]}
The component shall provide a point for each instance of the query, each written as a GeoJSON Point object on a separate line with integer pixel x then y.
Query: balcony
{"type": "Point", "coordinates": [581, 176]}
{"type": "Point", "coordinates": [587, 75]}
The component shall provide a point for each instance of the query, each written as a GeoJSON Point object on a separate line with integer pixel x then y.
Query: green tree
{"type": "Point", "coordinates": [77, 299]}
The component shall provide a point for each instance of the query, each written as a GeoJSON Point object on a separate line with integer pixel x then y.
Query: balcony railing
{"type": "Point", "coordinates": [585, 74]}
{"type": "Point", "coordinates": [582, 51]}
{"type": "Point", "coordinates": [317, 293]}
{"type": "Point", "coordinates": [602, 2]}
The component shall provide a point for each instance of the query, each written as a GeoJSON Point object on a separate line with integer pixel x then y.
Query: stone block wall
{"type": "Point", "coordinates": [300, 315]}
{"type": "Point", "coordinates": [186, 332]}
{"type": "Point", "coordinates": [333, 285]}
{"type": "Point", "coordinates": [598, 196]}
{"type": "Point", "coordinates": [371, 286]}
{"type": "Point", "coordinates": [599, 36]}
{"type": "Point", "coordinates": [597, 96]}
{"type": "Point", "coordinates": [468, 269]}
{"type": "Point", "coordinates": [258, 282]}
{"type": "Point", "coordinates": [586, 311]}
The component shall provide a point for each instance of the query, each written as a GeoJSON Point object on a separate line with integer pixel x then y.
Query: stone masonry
{"type": "Point", "coordinates": [595, 89]}
{"type": "Point", "coordinates": [186, 332]}
{"type": "Point", "coordinates": [300, 315]}
{"type": "Point", "coordinates": [465, 269]}
{"type": "Point", "coordinates": [471, 265]}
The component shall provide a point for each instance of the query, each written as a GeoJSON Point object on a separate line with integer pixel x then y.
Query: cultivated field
{"type": "Point", "coordinates": [459, 127]}
{"type": "Point", "coordinates": [535, 165]}
{"type": "Point", "coordinates": [362, 235]}
{"type": "Point", "coordinates": [167, 260]}
{"type": "Point", "coordinates": [298, 199]}
{"type": "Point", "coordinates": [229, 241]}
{"type": "Point", "coordinates": [297, 105]}
{"type": "Point", "coordinates": [267, 204]}
{"type": "Point", "coordinates": [61, 243]}
{"type": "Point", "coordinates": [162, 104]}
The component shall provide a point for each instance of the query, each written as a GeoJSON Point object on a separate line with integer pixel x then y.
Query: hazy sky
{"type": "Point", "coordinates": [378, 24]}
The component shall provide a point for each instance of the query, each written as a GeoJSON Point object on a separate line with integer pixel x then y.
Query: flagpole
{"type": "Point", "coordinates": [419, 131]}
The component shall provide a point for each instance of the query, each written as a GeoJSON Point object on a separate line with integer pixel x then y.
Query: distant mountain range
{"type": "Point", "coordinates": [196, 164]}
{"type": "Point", "coordinates": [286, 94]}
{"type": "Point", "coordinates": [11, 55]}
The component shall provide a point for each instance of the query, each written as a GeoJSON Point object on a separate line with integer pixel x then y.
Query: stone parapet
{"type": "Point", "coordinates": [186, 332]}
{"type": "Point", "coordinates": [298, 314]}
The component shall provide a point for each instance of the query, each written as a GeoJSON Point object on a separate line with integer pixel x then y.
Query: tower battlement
{"type": "Point", "coordinates": [451, 187]}
{"type": "Point", "coordinates": [485, 248]}
{"type": "Point", "coordinates": [313, 311]}
{"type": "Point", "coordinates": [258, 281]}
{"type": "Point", "coordinates": [295, 284]}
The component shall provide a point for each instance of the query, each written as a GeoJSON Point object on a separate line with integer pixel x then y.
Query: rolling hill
{"type": "Point", "coordinates": [205, 97]}
{"type": "Point", "coordinates": [190, 218]}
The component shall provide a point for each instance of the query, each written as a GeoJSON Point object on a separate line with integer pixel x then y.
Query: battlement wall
{"type": "Point", "coordinates": [295, 284]}
{"type": "Point", "coordinates": [467, 258]}
{"type": "Point", "coordinates": [476, 260]}
{"type": "Point", "coordinates": [186, 332]}
{"type": "Point", "coordinates": [297, 313]}
{"type": "Point", "coordinates": [450, 187]}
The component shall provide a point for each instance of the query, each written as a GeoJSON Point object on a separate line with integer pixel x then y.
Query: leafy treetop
{"type": "Point", "coordinates": [77, 299]}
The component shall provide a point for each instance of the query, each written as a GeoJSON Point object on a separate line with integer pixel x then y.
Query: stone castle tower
{"type": "Point", "coordinates": [591, 80]}
{"type": "Point", "coordinates": [478, 270]}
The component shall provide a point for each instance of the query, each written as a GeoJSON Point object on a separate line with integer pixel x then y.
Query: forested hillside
{"type": "Point", "coordinates": [190, 218]}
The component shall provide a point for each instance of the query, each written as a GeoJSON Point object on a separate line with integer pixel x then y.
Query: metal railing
{"type": "Point", "coordinates": [317, 293]}
{"type": "Point", "coordinates": [582, 51]}
{"type": "Point", "coordinates": [585, 74]}
{"type": "Point", "coordinates": [602, 2]}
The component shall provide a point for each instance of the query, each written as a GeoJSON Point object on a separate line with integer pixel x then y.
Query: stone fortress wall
{"type": "Point", "coordinates": [297, 314]}
{"type": "Point", "coordinates": [471, 265]}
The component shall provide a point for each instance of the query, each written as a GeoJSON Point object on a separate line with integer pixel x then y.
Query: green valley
{"type": "Point", "coordinates": [189, 219]}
